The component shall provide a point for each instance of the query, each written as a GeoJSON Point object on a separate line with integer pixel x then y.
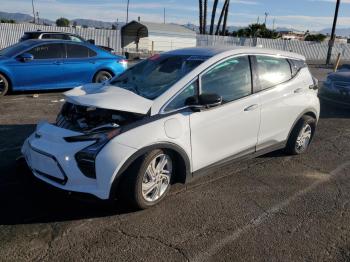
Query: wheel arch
{"type": "Point", "coordinates": [182, 167]}
{"type": "Point", "coordinates": [308, 112]}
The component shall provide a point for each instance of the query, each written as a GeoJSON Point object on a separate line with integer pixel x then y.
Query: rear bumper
{"type": "Point", "coordinates": [52, 160]}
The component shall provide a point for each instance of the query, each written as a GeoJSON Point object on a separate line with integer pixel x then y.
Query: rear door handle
{"type": "Point", "coordinates": [251, 108]}
{"type": "Point", "coordinates": [58, 63]}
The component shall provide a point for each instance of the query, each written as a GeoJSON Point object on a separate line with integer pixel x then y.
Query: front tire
{"type": "Point", "coordinates": [4, 85]}
{"type": "Point", "coordinates": [102, 76]}
{"type": "Point", "coordinates": [301, 136]}
{"type": "Point", "coordinates": [147, 183]}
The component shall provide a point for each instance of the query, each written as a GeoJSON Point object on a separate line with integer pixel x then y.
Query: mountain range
{"type": "Point", "coordinates": [19, 17]}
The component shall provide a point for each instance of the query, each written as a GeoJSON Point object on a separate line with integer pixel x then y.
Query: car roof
{"type": "Point", "coordinates": [213, 51]}
{"type": "Point", "coordinates": [48, 32]}
{"type": "Point", "coordinates": [41, 41]}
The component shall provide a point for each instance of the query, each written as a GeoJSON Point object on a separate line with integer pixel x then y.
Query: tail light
{"type": "Point", "coordinates": [123, 62]}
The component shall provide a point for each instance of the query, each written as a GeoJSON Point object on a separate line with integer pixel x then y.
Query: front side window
{"type": "Point", "coordinates": [48, 51]}
{"type": "Point", "coordinates": [230, 79]}
{"type": "Point", "coordinates": [180, 100]}
{"type": "Point", "coordinates": [154, 76]}
{"type": "Point", "coordinates": [273, 71]}
{"type": "Point", "coordinates": [77, 51]}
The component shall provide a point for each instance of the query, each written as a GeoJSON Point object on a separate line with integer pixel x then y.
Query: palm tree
{"type": "Point", "coordinates": [225, 18]}
{"type": "Point", "coordinates": [220, 18]}
{"type": "Point", "coordinates": [200, 16]}
{"type": "Point", "coordinates": [215, 4]}
{"type": "Point", "coordinates": [205, 17]}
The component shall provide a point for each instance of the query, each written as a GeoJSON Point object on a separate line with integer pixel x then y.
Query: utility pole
{"type": "Point", "coordinates": [33, 11]}
{"type": "Point", "coordinates": [164, 15]}
{"type": "Point", "coordinates": [258, 20]}
{"type": "Point", "coordinates": [273, 24]}
{"type": "Point", "coordinates": [37, 16]}
{"type": "Point", "coordinates": [266, 15]}
{"type": "Point", "coordinates": [331, 41]}
{"type": "Point", "coordinates": [127, 11]}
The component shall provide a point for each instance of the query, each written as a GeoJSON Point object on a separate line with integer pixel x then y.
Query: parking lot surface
{"type": "Point", "coordinates": [273, 208]}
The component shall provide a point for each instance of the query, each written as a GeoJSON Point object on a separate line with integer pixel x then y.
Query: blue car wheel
{"type": "Point", "coordinates": [4, 85]}
{"type": "Point", "coordinates": [102, 76]}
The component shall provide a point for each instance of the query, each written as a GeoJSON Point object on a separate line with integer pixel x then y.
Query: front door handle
{"type": "Point", "coordinates": [251, 108]}
{"type": "Point", "coordinates": [58, 63]}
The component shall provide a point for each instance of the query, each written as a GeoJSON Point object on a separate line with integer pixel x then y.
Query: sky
{"type": "Point", "coordinates": [310, 15]}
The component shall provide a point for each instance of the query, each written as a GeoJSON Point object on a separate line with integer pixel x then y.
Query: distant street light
{"type": "Point", "coordinates": [331, 41]}
{"type": "Point", "coordinates": [127, 11]}
{"type": "Point", "coordinates": [33, 11]}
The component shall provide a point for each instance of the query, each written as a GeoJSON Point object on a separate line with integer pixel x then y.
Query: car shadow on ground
{"type": "Point", "coordinates": [25, 200]}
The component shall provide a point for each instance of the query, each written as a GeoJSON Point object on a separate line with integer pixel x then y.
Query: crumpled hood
{"type": "Point", "coordinates": [108, 97]}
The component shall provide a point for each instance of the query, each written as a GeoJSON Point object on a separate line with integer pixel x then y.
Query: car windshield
{"type": "Point", "coordinates": [14, 49]}
{"type": "Point", "coordinates": [154, 76]}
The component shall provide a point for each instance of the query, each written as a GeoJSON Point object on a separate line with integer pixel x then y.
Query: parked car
{"type": "Point", "coordinates": [336, 89]}
{"type": "Point", "coordinates": [54, 64]}
{"type": "Point", "coordinates": [60, 36]}
{"type": "Point", "coordinates": [51, 35]}
{"type": "Point", "coordinates": [172, 117]}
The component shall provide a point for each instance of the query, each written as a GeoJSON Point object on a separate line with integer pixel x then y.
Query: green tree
{"type": "Point", "coordinates": [64, 22]}
{"type": "Point", "coordinates": [256, 30]}
{"type": "Point", "coordinates": [317, 37]}
{"type": "Point", "coordinates": [11, 21]}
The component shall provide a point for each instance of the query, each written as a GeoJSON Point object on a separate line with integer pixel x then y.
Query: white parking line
{"type": "Point", "coordinates": [212, 250]}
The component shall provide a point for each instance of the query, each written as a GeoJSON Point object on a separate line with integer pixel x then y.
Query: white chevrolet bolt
{"type": "Point", "coordinates": [173, 116]}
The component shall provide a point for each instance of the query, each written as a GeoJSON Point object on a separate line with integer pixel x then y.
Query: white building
{"type": "Point", "coordinates": [147, 37]}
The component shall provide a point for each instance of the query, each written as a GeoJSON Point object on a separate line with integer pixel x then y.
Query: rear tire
{"type": "Point", "coordinates": [147, 181]}
{"type": "Point", "coordinates": [4, 85]}
{"type": "Point", "coordinates": [301, 136]}
{"type": "Point", "coordinates": [102, 76]}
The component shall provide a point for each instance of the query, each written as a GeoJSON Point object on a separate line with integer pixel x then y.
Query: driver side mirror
{"type": "Point", "coordinates": [204, 101]}
{"type": "Point", "coordinates": [26, 57]}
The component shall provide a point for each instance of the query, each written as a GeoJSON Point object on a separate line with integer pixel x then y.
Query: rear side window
{"type": "Point", "coordinates": [78, 51]}
{"type": "Point", "coordinates": [48, 51]}
{"type": "Point", "coordinates": [272, 71]}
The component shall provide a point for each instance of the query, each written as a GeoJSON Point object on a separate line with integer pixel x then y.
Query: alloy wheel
{"type": "Point", "coordinates": [156, 179]}
{"type": "Point", "coordinates": [304, 138]}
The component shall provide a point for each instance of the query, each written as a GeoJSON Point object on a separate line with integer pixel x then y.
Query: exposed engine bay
{"type": "Point", "coordinates": [89, 119]}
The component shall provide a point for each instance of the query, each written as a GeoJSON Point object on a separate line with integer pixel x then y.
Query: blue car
{"type": "Point", "coordinates": [55, 64]}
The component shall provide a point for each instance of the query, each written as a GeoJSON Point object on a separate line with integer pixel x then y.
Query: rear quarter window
{"type": "Point", "coordinates": [273, 71]}
{"type": "Point", "coordinates": [79, 51]}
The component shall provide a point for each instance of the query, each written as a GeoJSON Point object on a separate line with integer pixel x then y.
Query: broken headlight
{"type": "Point", "coordinates": [86, 157]}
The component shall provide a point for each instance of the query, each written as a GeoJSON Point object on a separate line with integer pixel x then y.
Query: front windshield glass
{"type": "Point", "coordinates": [154, 76]}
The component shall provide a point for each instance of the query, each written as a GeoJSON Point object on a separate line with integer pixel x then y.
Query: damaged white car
{"type": "Point", "coordinates": [173, 116]}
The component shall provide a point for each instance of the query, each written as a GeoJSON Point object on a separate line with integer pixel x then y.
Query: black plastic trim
{"type": "Point", "coordinates": [246, 154]}
{"type": "Point", "coordinates": [139, 153]}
